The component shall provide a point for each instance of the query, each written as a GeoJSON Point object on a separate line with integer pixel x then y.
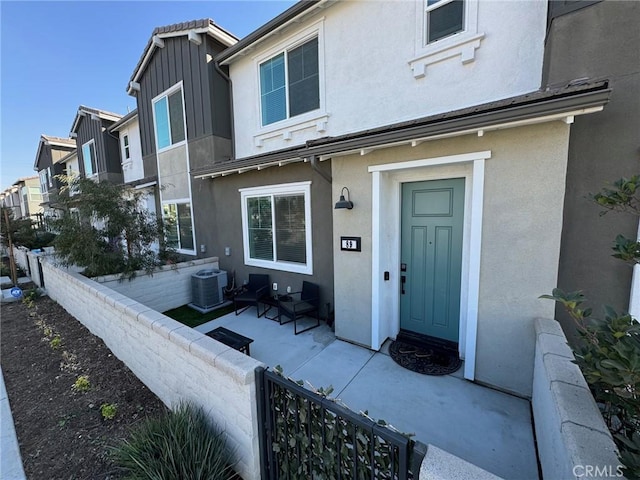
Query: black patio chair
{"type": "Point", "coordinates": [307, 304]}
{"type": "Point", "coordinates": [252, 293]}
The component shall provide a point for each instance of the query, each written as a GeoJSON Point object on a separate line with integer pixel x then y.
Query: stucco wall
{"type": "Point", "coordinates": [132, 168]}
{"type": "Point", "coordinates": [173, 173]}
{"type": "Point", "coordinates": [174, 361]}
{"type": "Point", "coordinates": [168, 287]}
{"type": "Point", "coordinates": [225, 224]}
{"type": "Point", "coordinates": [366, 77]}
{"type": "Point", "coordinates": [521, 228]}
{"type": "Point", "coordinates": [598, 41]}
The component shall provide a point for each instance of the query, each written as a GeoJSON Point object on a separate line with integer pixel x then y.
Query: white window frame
{"type": "Point", "coordinates": [94, 161]}
{"type": "Point", "coordinates": [50, 177]}
{"type": "Point", "coordinates": [126, 147]}
{"type": "Point", "coordinates": [154, 100]}
{"type": "Point", "coordinates": [460, 45]}
{"type": "Point", "coordinates": [176, 202]}
{"type": "Point", "coordinates": [44, 182]}
{"type": "Point", "coordinates": [272, 191]}
{"type": "Point", "coordinates": [317, 117]}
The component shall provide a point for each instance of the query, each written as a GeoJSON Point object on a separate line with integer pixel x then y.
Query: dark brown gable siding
{"type": "Point", "coordinates": [181, 60]}
{"type": "Point", "coordinates": [90, 130]}
{"type": "Point", "coordinates": [44, 159]}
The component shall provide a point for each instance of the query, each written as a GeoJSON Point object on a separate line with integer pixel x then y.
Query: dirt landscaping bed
{"type": "Point", "coordinates": [61, 430]}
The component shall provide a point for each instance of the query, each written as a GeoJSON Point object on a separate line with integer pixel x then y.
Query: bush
{"type": "Point", "coordinates": [106, 228]}
{"type": "Point", "coordinates": [177, 446]}
{"type": "Point", "coordinates": [608, 351]}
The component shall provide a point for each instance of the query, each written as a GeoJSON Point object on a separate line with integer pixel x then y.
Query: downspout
{"type": "Point", "coordinates": [634, 295]}
{"type": "Point", "coordinates": [313, 160]}
{"type": "Point", "coordinates": [233, 130]}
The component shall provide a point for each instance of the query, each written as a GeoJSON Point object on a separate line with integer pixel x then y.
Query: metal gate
{"type": "Point", "coordinates": [304, 435]}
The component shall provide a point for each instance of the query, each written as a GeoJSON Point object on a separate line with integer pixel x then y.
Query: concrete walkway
{"type": "Point", "coordinates": [10, 461]}
{"type": "Point", "coordinates": [485, 427]}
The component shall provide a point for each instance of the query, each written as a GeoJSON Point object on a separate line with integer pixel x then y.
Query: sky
{"type": "Point", "coordinates": [56, 56]}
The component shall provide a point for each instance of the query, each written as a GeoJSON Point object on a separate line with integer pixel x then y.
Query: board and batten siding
{"type": "Point", "coordinates": [180, 60]}
{"type": "Point", "coordinates": [106, 147]}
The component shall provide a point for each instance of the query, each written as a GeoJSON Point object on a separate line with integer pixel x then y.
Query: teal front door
{"type": "Point", "coordinates": [431, 257]}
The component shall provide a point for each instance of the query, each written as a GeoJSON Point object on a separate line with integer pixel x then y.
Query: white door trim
{"type": "Point", "coordinates": [386, 184]}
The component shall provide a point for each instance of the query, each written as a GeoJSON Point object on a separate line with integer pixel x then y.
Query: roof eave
{"type": "Point", "coordinates": [211, 30]}
{"type": "Point", "coordinates": [269, 28]}
{"type": "Point", "coordinates": [549, 109]}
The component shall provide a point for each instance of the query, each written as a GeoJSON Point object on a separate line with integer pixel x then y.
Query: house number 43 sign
{"type": "Point", "coordinates": [350, 243]}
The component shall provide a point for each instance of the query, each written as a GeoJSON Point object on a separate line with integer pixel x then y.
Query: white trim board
{"type": "Point", "coordinates": [387, 181]}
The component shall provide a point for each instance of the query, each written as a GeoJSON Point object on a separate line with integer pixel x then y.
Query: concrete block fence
{"type": "Point", "coordinates": [168, 287]}
{"type": "Point", "coordinates": [573, 440]}
{"type": "Point", "coordinates": [174, 361]}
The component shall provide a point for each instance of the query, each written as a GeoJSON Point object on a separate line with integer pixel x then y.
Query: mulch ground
{"type": "Point", "coordinates": [61, 431]}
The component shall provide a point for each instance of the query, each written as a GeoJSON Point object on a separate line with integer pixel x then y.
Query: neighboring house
{"type": "Point", "coordinates": [98, 149]}
{"type": "Point", "coordinates": [429, 114]}
{"type": "Point", "coordinates": [184, 123]}
{"type": "Point", "coordinates": [589, 41]}
{"type": "Point", "coordinates": [11, 200]}
{"type": "Point", "coordinates": [50, 151]}
{"type": "Point", "coordinates": [30, 196]}
{"type": "Point", "coordinates": [70, 164]}
{"type": "Point", "coordinates": [128, 130]}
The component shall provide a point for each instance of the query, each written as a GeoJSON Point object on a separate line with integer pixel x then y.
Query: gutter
{"type": "Point", "coordinates": [497, 115]}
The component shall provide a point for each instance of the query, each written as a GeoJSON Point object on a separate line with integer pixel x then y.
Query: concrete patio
{"type": "Point", "coordinates": [482, 426]}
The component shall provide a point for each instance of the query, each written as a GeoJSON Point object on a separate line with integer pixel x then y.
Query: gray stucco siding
{"type": "Point", "coordinates": [602, 147]}
{"type": "Point", "coordinates": [221, 226]}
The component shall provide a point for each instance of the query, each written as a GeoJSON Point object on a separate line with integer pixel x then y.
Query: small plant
{"type": "Point", "coordinates": [108, 410]}
{"type": "Point", "coordinates": [81, 384]}
{"type": "Point", "coordinates": [30, 296]}
{"type": "Point", "coordinates": [181, 444]}
{"type": "Point", "coordinates": [48, 332]}
{"type": "Point", "coordinates": [55, 342]}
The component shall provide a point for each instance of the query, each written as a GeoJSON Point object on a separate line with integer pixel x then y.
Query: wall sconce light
{"type": "Point", "coordinates": [342, 203]}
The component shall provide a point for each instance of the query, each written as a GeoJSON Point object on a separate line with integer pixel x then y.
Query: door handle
{"type": "Point", "coordinates": [403, 280]}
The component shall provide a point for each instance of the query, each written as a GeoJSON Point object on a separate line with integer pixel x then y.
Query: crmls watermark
{"type": "Point", "coordinates": [597, 471]}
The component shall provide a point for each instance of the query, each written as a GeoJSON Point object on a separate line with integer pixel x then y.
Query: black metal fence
{"type": "Point", "coordinates": [306, 436]}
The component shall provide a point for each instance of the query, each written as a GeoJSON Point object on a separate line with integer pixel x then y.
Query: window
{"type": "Point", "coordinates": [44, 182]}
{"type": "Point", "coordinates": [179, 225]}
{"type": "Point", "coordinates": [276, 224]}
{"type": "Point", "coordinates": [50, 177]}
{"type": "Point", "coordinates": [168, 114]}
{"type": "Point", "coordinates": [34, 193]}
{"type": "Point", "coordinates": [89, 158]}
{"type": "Point", "coordinates": [290, 83]}
{"type": "Point", "coordinates": [443, 18]}
{"type": "Point", "coordinates": [125, 146]}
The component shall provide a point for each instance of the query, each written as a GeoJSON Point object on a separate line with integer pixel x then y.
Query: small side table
{"type": "Point", "coordinates": [232, 339]}
{"type": "Point", "coordinates": [273, 301]}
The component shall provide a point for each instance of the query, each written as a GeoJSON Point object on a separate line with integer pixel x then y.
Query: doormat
{"type": "Point", "coordinates": [424, 359]}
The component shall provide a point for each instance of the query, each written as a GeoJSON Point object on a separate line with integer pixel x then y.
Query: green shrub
{"type": "Point", "coordinates": [81, 384]}
{"type": "Point", "coordinates": [177, 446]}
{"type": "Point", "coordinates": [108, 410]}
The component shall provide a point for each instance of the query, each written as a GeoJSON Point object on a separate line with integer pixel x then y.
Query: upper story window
{"type": "Point", "coordinates": [168, 116]}
{"type": "Point", "coordinates": [276, 226]}
{"type": "Point", "coordinates": [44, 182]}
{"type": "Point", "coordinates": [445, 29]}
{"type": "Point", "coordinates": [443, 18]}
{"type": "Point", "coordinates": [50, 177]}
{"type": "Point", "coordinates": [125, 147]}
{"type": "Point", "coordinates": [89, 158]}
{"type": "Point", "coordinates": [290, 83]}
